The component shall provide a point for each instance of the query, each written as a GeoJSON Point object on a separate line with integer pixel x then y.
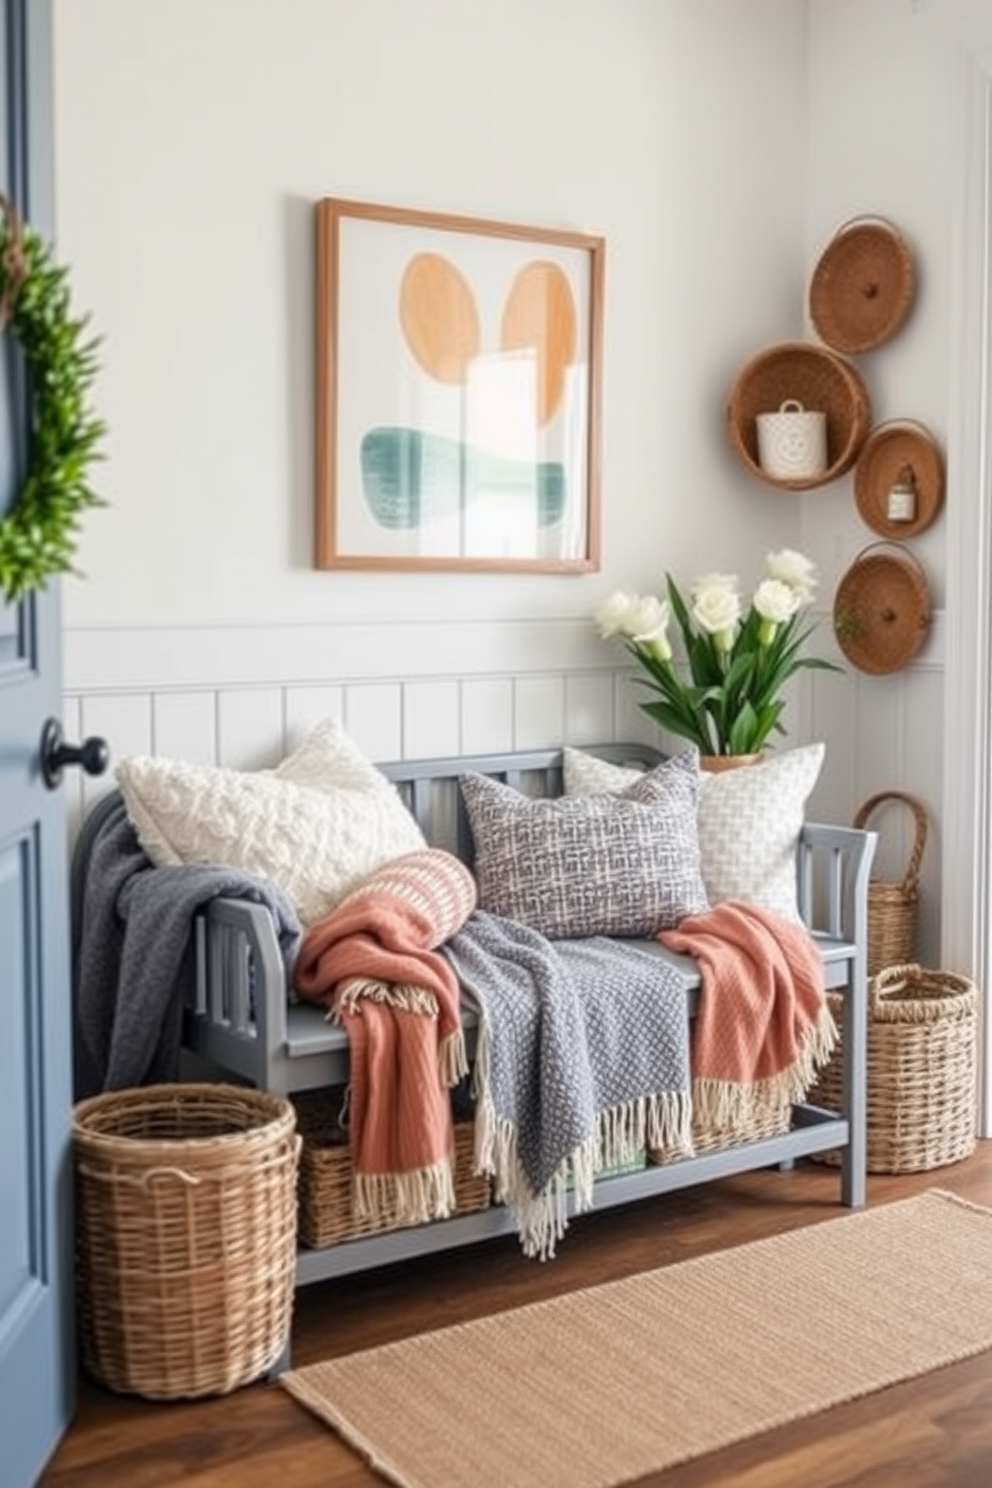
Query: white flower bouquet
{"type": "Point", "coordinates": [736, 662]}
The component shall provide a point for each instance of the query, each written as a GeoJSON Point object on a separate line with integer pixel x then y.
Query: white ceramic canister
{"type": "Point", "coordinates": [792, 443]}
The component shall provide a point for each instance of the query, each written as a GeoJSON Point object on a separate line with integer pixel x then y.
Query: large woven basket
{"type": "Point", "coordinates": [823, 382]}
{"type": "Point", "coordinates": [892, 904]}
{"type": "Point", "coordinates": [922, 1069]}
{"type": "Point", "coordinates": [326, 1211]}
{"type": "Point", "coordinates": [186, 1236]}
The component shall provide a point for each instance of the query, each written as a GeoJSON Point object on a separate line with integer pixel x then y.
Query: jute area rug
{"type": "Point", "coordinates": [605, 1385]}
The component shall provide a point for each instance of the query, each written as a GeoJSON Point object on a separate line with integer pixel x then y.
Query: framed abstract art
{"type": "Point", "coordinates": [458, 372]}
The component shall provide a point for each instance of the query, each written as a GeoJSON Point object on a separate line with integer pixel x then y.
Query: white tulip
{"type": "Point", "coordinates": [794, 569]}
{"type": "Point", "coordinates": [611, 616]}
{"type": "Point", "coordinates": [776, 601]}
{"type": "Point", "coordinates": [717, 606]}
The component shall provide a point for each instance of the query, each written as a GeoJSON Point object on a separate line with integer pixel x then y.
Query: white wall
{"type": "Point", "coordinates": [193, 138]}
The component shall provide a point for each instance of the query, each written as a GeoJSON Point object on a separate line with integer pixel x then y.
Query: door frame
{"type": "Point", "coordinates": [966, 895]}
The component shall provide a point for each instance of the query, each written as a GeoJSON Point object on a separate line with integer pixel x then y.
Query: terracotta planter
{"type": "Point", "coordinates": [715, 763]}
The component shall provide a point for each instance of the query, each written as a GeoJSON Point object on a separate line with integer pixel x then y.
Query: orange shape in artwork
{"type": "Point", "coordinates": [439, 316]}
{"type": "Point", "coordinates": [540, 315]}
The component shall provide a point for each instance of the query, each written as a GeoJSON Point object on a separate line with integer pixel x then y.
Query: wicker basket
{"type": "Point", "coordinates": [325, 1187]}
{"type": "Point", "coordinates": [706, 1137]}
{"type": "Point", "coordinates": [922, 1068]}
{"type": "Point", "coordinates": [821, 381]}
{"type": "Point", "coordinates": [186, 1230]}
{"type": "Point", "coordinates": [881, 609]}
{"type": "Point", "coordinates": [899, 453]}
{"type": "Point", "coordinates": [863, 285]}
{"type": "Point", "coordinates": [892, 904]}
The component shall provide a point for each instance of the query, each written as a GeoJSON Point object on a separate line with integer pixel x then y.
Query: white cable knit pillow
{"type": "Point", "coordinates": [749, 821]}
{"type": "Point", "coordinates": [315, 826]}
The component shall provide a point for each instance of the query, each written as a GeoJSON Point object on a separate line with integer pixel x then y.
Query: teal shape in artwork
{"type": "Point", "coordinates": [411, 478]}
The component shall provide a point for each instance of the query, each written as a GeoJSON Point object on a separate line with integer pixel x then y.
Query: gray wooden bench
{"type": "Point", "coordinates": [242, 1022]}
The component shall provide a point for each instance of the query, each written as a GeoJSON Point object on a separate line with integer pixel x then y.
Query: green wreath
{"type": "Point", "coordinates": [38, 533]}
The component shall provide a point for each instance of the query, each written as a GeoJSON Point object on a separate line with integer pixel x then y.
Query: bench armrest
{"type": "Point", "coordinates": [832, 871]}
{"type": "Point", "coordinates": [240, 982]}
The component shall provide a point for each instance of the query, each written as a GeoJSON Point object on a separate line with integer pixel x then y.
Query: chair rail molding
{"type": "Point", "coordinates": [967, 786]}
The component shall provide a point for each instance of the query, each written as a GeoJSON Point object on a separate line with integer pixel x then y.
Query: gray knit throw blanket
{"type": "Point", "coordinates": [582, 1059]}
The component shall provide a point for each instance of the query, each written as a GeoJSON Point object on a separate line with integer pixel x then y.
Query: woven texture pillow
{"type": "Point", "coordinates": [625, 864]}
{"type": "Point", "coordinates": [749, 821]}
{"type": "Point", "coordinates": [315, 826]}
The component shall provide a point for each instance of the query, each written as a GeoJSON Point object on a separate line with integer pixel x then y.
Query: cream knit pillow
{"type": "Point", "coordinates": [749, 821]}
{"type": "Point", "coordinates": [315, 826]}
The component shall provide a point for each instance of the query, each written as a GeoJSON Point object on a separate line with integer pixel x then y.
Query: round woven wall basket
{"type": "Point", "coordinates": [900, 460]}
{"type": "Point", "coordinates": [186, 1236]}
{"type": "Point", "coordinates": [922, 1069]}
{"type": "Point", "coordinates": [819, 380]}
{"type": "Point", "coordinates": [882, 609]}
{"type": "Point", "coordinates": [863, 285]}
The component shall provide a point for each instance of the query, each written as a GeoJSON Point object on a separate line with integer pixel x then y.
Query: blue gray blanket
{"type": "Point", "coordinates": [582, 1059]}
{"type": "Point", "coordinates": [135, 960]}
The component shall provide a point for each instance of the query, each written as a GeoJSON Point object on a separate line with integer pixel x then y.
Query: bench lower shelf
{"type": "Point", "coordinates": [813, 1130]}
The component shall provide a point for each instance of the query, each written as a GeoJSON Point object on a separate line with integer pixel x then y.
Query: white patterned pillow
{"type": "Point", "coordinates": [315, 826]}
{"type": "Point", "coordinates": [749, 821]}
{"type": "Point", "coordinates": [625, 864]}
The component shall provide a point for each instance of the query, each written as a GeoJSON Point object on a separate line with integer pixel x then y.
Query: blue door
{"type": "Point", "coordinates": [37, 1357]}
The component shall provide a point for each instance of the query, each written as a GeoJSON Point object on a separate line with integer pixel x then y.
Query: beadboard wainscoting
{"type": "Point", "coordinates": [243, 696]}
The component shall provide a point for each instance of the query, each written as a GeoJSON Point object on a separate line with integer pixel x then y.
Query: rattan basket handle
{"type": "Point", "coordinates": [904, 553]}
{"type": "Point", "coordinates": [867, 217]}
{"type": "Point", "coordinates": [902, 423]}
{"type": "Point", "coordinates": [864, 811]}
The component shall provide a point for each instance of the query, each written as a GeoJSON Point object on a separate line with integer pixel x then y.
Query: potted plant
{"type": "Point", "coordinates": [724, 693]}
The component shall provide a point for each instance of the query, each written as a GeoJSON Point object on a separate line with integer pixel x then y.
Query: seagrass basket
{"type": "Point", "coordinates": [326, 1172]}
{"type": "Point", "coordinates": [186, 1236]}
{"type": "Point", "coordinates": [922, 1069]}
{"type": "Point", "coordinates": [892, 904]}
{"type": "Point", "coordinates": [708, 1136]}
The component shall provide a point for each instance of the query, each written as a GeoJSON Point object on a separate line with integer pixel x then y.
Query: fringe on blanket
{"type": "Point", "coordinates": [418, 1195]}
{"type": "Point", "coordinates": [451, 1053]}
{"type": "Point", "coordinates": [723, 1103]}
{"type": "Point", "coordinates": [620, 1133]}
{"type": "Point", "coordinates": [409, 1198]}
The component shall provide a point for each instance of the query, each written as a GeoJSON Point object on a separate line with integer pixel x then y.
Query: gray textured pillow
{"type": "Point", "coordinates": [625, 864]}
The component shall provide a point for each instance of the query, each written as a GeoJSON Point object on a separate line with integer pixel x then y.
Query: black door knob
{"type": "Point", "coordinates": [93, 754]}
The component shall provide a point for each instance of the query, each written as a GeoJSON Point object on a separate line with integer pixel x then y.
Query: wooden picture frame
{"type": "Point", "coordinates": [458, 386]}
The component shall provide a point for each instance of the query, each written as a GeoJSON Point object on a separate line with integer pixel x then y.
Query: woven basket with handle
{"type": "Point", "coordinates": [922, 1069]}
{"type": "Point", "coordinates": [892, 905]}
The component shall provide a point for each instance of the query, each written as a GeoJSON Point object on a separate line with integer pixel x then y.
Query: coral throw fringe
{"type": "Point", "coordinates": [763, 1026]}
{"type": "Point", "coordinates": [372, 962]}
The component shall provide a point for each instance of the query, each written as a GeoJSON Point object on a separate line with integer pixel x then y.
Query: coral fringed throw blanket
{"type": "Point", "coordinates": [373, 963]}
{"type": "Point", "coordinates": [762, 1026]}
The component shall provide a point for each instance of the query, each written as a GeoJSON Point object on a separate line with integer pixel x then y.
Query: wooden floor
{"type": "Point", "coordinates": [932, 1431]}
